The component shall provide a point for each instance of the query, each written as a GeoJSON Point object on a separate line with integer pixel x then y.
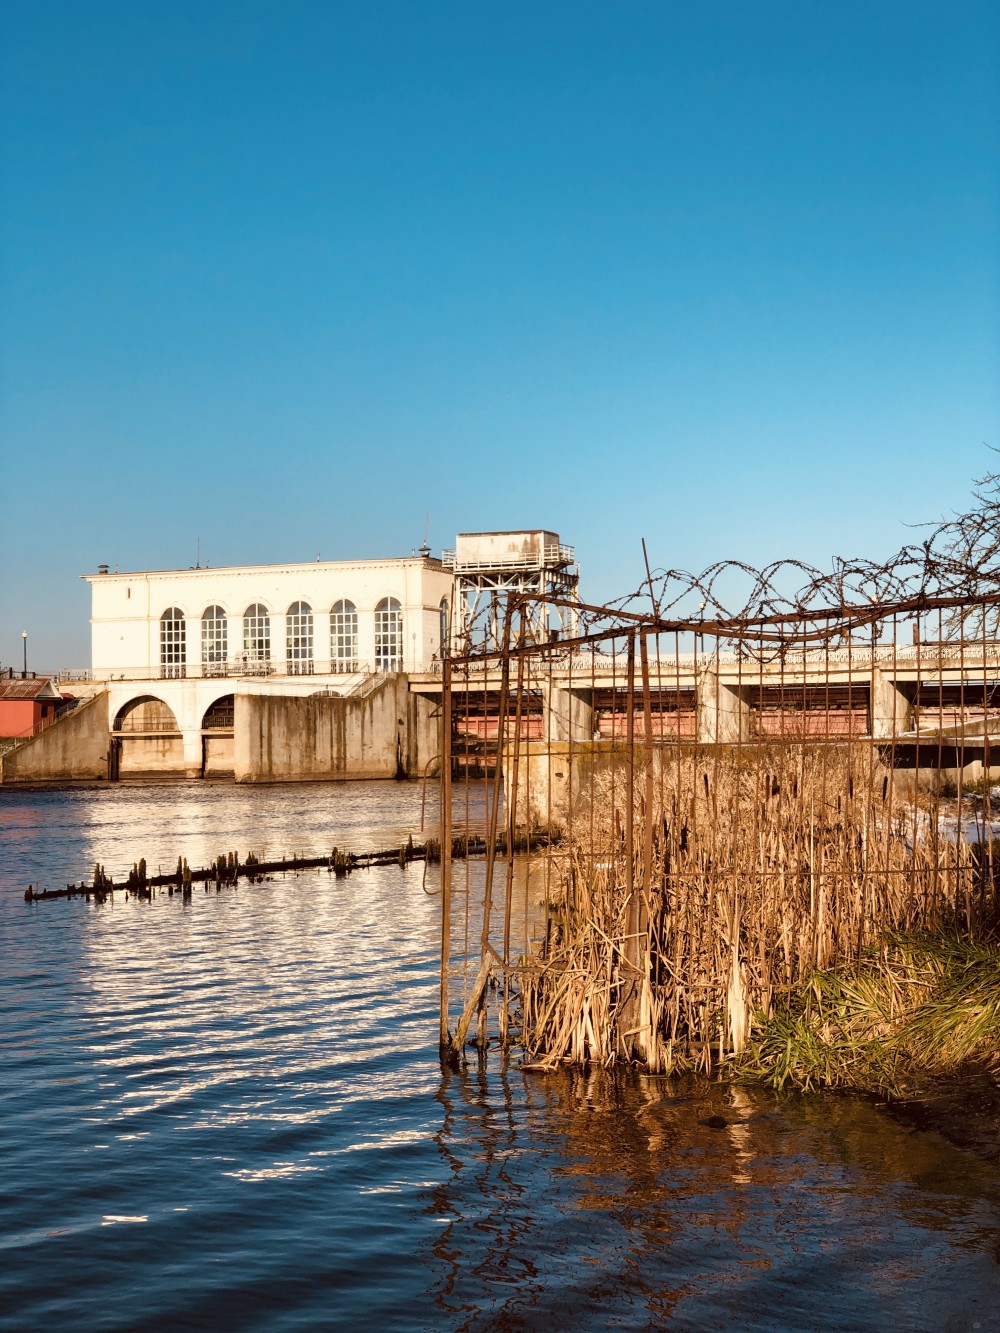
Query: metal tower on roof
{"type": "Point", "coordinates": [489, 566]}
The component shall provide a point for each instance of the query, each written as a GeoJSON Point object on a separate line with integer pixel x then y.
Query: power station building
{"type": "Point", "coordinates": [281, 672]}
{"type": "Point", "coordinates": [343, 618]}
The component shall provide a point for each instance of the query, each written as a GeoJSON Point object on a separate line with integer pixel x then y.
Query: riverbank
{"type": "Point", "coordinates": [915, 1027]}
{"type": "Point", "coordinates": [963, 1108]}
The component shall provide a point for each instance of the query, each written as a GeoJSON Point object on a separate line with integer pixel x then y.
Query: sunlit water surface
{"type": "Point", "coordinates": [230, 1113]}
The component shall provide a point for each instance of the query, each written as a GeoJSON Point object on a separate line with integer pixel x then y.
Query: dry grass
{"type": "Point", "coordinates": [747, 873]}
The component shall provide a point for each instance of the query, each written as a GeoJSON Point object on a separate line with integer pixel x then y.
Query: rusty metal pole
{"type": "Point", "coordinates": [630, 1008]}
{"type": "Point", "coordinates": [511, 835]}
{"type": "Point", "coordinates": [630, 765]}
{"type": "Point", "coordinates": [647, 737]}
{"type": "Point", "coordinates": [445, 822]}
{"type": "Point", "coordinates": [494, 811]}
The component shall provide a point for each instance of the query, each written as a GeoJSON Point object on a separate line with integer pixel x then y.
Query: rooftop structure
{"type": "Point", "coordinates": [490, 566]}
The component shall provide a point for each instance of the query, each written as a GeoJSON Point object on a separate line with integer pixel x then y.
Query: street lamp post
{"type": "Point", "coordinates": [24, 641]}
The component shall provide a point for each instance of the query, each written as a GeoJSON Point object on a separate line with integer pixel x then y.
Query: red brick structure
{"type": "Point", "coordinates": [27, 704]}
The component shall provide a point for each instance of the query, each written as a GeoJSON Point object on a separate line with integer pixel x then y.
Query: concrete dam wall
{"type": "Point", "coordinates": [389, 733]}
{"type": "Point", "coordinates": [386, 733]}
{"type": "Point", "coordinates": [73, 748]}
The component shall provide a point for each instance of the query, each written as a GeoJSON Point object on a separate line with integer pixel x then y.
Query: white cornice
{"type": "Point", "coordinates": [246, 571]}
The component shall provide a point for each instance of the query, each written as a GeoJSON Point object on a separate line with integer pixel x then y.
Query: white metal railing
{"type": "Point", "coordinates": [237, 670]}
{"type": "Point", "coordinates": [362, 688]}
{"type": "Point", "coordinates": [549, 557]}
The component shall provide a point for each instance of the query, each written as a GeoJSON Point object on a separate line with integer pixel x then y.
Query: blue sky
{"type": "Point", "coordinates": [282, 277]}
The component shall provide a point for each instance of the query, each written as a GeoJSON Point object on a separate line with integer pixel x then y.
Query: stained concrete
{"type": "Point", "coordinates": [150, 756]}
{"type": "Point", "coordinates": [384, 734]}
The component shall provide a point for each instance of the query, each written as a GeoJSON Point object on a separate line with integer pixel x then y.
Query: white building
{"type": "Point", "coordinates": [259, 621]}
{"type": "Point", "coordinates": [283, 672]}
{"type": "Point", "coordinates": [189, 658]}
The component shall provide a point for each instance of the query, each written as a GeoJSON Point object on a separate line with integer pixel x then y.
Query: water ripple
{"type": "Point", "coordinates": [229, 1112]}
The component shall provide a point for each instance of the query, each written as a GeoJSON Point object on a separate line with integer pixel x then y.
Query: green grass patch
{"type": "Point", "coordinates": [919, 1008]}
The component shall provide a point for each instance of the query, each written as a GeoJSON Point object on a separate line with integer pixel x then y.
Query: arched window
{"type": "Point", "coordinates": [173, 645]}
{"type": "Point", "coordinates": [299, 639]}
{"type": "Point", "coordinates": [213, 640]}
{"type": "Point", "coordinates": [444, 614]}
{"type": "Point", "coordinates": [388, 635]}
{"type": "Point", "coordinates": [344, 636]}
{"type": "Point", "coordinates": [256, 633]}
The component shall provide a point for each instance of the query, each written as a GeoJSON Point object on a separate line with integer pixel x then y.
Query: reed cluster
{"type": "Point", "coordinates": [700, 892]}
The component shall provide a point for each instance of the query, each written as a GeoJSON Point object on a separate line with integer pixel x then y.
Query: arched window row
{"type": "Point", "coordinates": [220, 612]}
{"type": "Point", "coordinates": [299, 638]}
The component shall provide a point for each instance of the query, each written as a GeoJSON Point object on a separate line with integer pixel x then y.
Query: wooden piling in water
{"type": "Point", "coordinates": [229, 869]}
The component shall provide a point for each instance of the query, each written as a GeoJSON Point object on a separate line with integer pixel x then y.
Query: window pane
{"type": "Point", "coordinates": [213, 636]}
{"type": "Point", "coordinates": [344, 636]}
{"type": "Point", "coordinates": [444, 628]}
{"type": "Point", "coordinates": [173, 644]}
{"type": "Point", "coordinates": [257, 633]}
{"type": "Point", "coordinates": [299, 639]}
{"type": "Point", "coordinates": [388, 635]}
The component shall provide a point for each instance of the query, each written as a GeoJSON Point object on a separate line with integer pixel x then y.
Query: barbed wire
{"type": "Point", "coordinates": [955, 569]}
{"type": "Point", "coordinates": [958, 561]}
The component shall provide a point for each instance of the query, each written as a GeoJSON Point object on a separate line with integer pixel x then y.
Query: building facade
{"type": "Point", "coordinates": [344, 618]}
{"type": "Point", "coordinates": [197, 666]}
{"type": "Point", "coordinates": [278, 672]}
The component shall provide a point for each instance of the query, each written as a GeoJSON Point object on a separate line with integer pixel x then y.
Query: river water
{"type": "Point", "coordinates": [230, 1113]}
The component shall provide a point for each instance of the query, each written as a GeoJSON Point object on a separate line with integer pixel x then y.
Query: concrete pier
{"type": "Point", "coordinates": [182, 732]}
{"type": "Point", "coordinates": [917, 702]}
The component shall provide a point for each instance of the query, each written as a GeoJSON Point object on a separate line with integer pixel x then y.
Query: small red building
{"type": "Point", "coordinates": [27, 704]}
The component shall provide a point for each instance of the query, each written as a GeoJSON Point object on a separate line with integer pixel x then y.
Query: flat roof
{"type": "Point", "coordinates": [511, 532]}
{"type": "Point", "coordinates": [430, 562]}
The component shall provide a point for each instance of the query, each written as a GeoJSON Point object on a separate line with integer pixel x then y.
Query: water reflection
{"type": "Point", "coordinates": [230, 1112]}
{"type": "Point", "coordinates": [695, 1206]}
{"type": "Point", "coordinates": [53, 837]}
{"type": "Point", "coordinates": [271, 993]}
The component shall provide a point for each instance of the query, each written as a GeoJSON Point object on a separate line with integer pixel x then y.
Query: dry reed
{"type": "Point", "coordinates": [751, 870]}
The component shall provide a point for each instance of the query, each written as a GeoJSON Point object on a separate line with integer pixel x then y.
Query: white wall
{"type": "Point", "coordinates": [127, 608]}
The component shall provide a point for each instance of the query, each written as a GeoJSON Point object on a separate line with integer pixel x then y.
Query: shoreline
{"type": "Point", "coordinates": [964, 1108]}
